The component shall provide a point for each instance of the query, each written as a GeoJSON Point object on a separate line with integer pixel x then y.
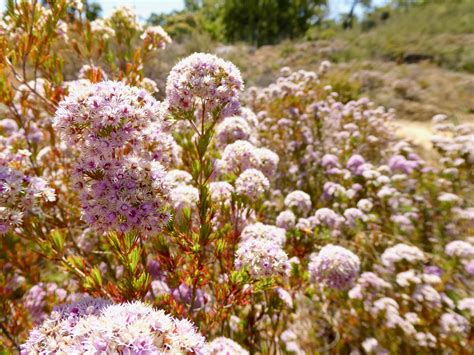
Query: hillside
{"type": "Point", "coordinates": [419, 62]}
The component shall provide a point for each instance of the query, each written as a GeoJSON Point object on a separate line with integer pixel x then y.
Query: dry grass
{"type": "Point", "coordinates": [416, 91]}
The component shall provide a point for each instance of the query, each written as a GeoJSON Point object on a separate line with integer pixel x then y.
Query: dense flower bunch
{"type": "Point", "coordinates": [155, 37]}
{"type": "Point", "coordinates": [118, 189]}
{"type": "Point", "coordinates": [232, 129]}
{"type": "Point", "coordinates": [401, 253]}
{"type": "Point", "coordinates": [123, 19]}
{"type": "Point", "coordinates": [223, 345]}
{"type": "Point", "coordinates": [105, 116]}
{"type": "Point", "coordinates": [262, 258]}
{"type": "Point", "coordinates": [20, 197]}
{"type": "Point", "coordinates": [95, 325]}
{"type": "Point", "coordinates": [242, 155]}
{"type": "Point", "coordinates": [124, 195]}
{"type": "Point", "coordinates": [300, 201]}
{"type": "Point", "coordinates": [334, 266]}
{"type": "Point", "coordinates": [204, 79]}
{"type": "Point", "coordinates": [252, 184]}
{"type": "Point", "coordinates": [263, 231]}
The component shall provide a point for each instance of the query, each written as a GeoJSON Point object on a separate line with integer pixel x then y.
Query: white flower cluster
{"type": "Point", "coordinates": [94, 326]}
{"type": "Point", "coordinates": [401, 252]}
{"type": "Point", "coordinates": [261, 257]}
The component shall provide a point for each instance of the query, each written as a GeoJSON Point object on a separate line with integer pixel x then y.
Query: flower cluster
{"type": "Point", "coordinates": [334, 266]}
{"type": "Point", "coordinates": [242, 155]}
{"type": "Point", "coordinates": [95, 325]}
{"type": "Point", "coordinates": [21, 196]}
{"type": "Point", "coordinates": [155, 37]}
{"type": "Point", "coordinates": [223, 345]}
{"type": "Point", "coordinates": [251, 184]}
{"type": "Point", "coordinates": [232, 129]}
{"type": "Point", "coordinates": [401, 253]}
{"type": "Point", "coordinates": [120, 184]}
{"type": "Point", "coordinates": [204, 79]}
{"type": "Point", "coordinates": [261, 258]}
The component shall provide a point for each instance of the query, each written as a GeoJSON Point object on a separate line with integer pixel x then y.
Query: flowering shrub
{"type": "Point", "coordinates": [271, 220]}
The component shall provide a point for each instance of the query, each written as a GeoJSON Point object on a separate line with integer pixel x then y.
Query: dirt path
{"type": "Point", "coordinates": [419, 133]}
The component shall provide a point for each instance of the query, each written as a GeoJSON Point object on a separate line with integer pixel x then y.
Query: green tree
{"type": "Point", "coordinates": [269, 21]}
{"type": "Point", "coordinates": [349, 17]}
{"type": "Point", "coordinates": [93, 10]}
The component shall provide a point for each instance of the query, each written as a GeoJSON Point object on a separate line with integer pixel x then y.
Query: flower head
{"type": "Point", "coordinates": [224, 346]}
{"type": "Point", "coordinates": [105, 116]}
{"type": "Point", "coordinates": [204, 79]}
{"type": "Point", "coordinates": [401, 252]}
{"type": "Point", "coordinates": [335, 266]}
{"type": "Point", "coordinates": [298, 200]}
{"type": "Point", "coordinates": [264, 231]}
{"type": "Point", "coordinates": [96, 326]}
{"type": "Point", "coordinates": [252, 184]}
{"type": "Point", "coordinates": [261, 257]}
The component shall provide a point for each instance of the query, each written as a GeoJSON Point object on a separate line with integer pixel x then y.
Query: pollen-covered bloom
{"type": "Point", "coordinates": [299, 201]}
{"type": "Point", "coordinates": [252, 184]}
{"type": "Point", "coordinates": [334, 266]}
{"type": "Point", "coordinates": [204, 80]}
{"type": "Point", "coordinates": [261, 258]}
{"type": "Point", "coordinates": [128, 328]}
{"type": "Point", "coordinates": [225, 346]}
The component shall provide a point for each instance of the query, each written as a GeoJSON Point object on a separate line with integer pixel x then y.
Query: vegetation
{"type": "Point", "coordinates": [153, 203]}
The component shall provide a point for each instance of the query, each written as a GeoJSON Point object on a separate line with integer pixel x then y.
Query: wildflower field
{"type": "Point", "coordinates": [215, 218]}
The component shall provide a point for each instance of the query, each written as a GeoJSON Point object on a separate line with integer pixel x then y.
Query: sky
{"type": "Point", "coordinates": [145, 7]}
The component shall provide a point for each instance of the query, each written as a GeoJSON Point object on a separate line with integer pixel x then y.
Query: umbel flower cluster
{"type": "Point", "coordinates": [334, 266]}
{"type": "Point", "coordinates": [204, 84]}
{"type": "Point", "coordinates": [119, 187]}
{"type": "Point", "coordinates": [284, 219]}
{"type": "Point", "coordinates": [93, 326]}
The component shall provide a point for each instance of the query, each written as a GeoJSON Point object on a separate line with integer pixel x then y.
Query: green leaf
{"type": "Point", "coordinates": [133, 259]}
{"type": "Point", "coordinates": [141, 283]}
{"type": "Point", "coordinates": [57, 239]}
{"type": "Point", "coordinates": [96, 276]}
{"type": "Point", "coordinates": [130, 239]}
